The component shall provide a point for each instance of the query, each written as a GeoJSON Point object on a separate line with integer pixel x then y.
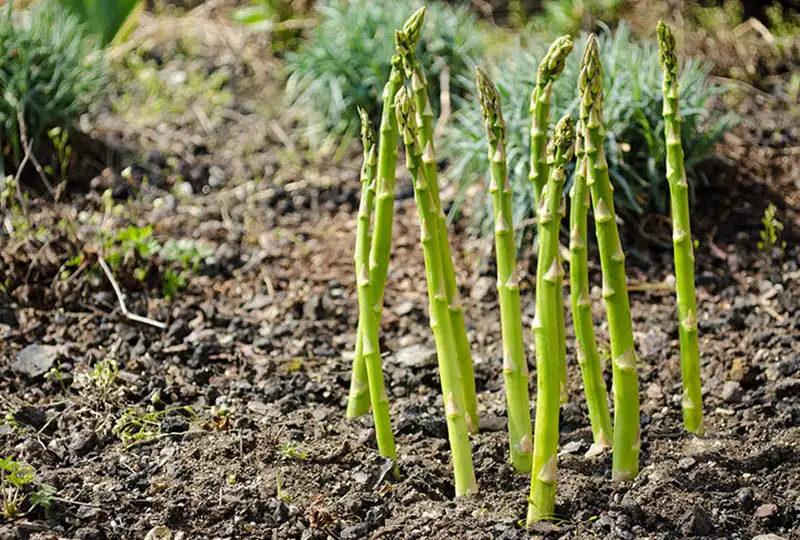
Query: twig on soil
{"type": "Point", "coordinates": [26, 145]}
{"type": "Point", "coordinates": [121, 299]}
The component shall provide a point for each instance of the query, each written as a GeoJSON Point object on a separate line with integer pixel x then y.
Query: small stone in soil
{"type": "Point", "coordinates": [35, 360]}
{"type": "Point", "coordinates": [732, 392]}
{"type": "Point", "coordinates": [415, 356]}
{"type": "Point", "coordinates": [695, 522]}
{"type": "Point", "coordinates": [89, 533]}
{"type": "Point", "coordinates": [687, 463]}
{"type": "Point", "coordinates": [31, 416]}
{"type": "Point", "coordinates": [766, 510]}
{"type": "Point", "coordinates": [746, 497]}
{"type": "Point", "coordinates": [482, 289]}
{"type": "Point", "coordinates": [573, 447]}
{"type": "Point", "coordinates": [82, 442]}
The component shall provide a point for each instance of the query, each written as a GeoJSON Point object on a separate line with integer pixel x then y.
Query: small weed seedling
{"type": "Point", "coordinates": [290, 451]}
{"type": "Point", "coordinates": [771, 230]}
{"type": "Point", "coordinates": [16, 478]}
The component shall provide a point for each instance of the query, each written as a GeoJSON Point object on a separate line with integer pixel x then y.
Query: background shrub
{"type": "Point", "coordinates": [50, 70]}
{"type": "Point", "coordinates": [346, 60]}
{"type": "Point", "coordinates": [635, 143]}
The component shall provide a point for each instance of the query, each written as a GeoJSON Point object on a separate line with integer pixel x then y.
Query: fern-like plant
{"type": "Point", "coordinates": [50, 70]}
{"type": "Point", "coordinates": [345, 62]}
{"type": "Point", "coordinates": [632, 118]}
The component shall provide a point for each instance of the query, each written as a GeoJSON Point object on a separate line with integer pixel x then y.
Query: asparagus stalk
{"type": "Point", "coordinates": [515, 365]}
{"type": "Point", "coordinates": [625, 462]}
{"type": "Point", "coordinates": [681, 236]}
{"type": "Point", "coordinates": [549, 272]}
{"type": "Point", "coordinates": [406, 41]}
{"type": "Point", "coordinates": [588, 357]}
{"type": "Point", "coordinates": [550, 68]}
{"type": "Point", "coordinates": [439, 313]}
{"type": "Point", "coordinates": [359, 399]}
{"type": "Point", "coordinates": [370, 347]}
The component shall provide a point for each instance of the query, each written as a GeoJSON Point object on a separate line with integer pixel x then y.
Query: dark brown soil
{"type": "Point", "coordinates": [249, 382]}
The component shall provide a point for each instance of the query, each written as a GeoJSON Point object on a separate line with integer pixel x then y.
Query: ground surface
{"type": "Point", "coordinates": [240, 402]}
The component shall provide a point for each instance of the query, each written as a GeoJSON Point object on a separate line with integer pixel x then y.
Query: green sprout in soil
{"type": "Point", "coordinates": [137, 427]}
{"type": "Point", "coordinates": [16, 482]}
{"type": "Point", "coordinates": [625, 463]}
{"type": "Point", "coordinates": [549, 274]}
{"type": "Point", "coordinates": [771, 230]}
{"type": "Point", "coordinates": [683, 249]}
{"type": "Point", "coordinates": [290, 451]}
{"type": "Point", "coordinates": [515, 365]}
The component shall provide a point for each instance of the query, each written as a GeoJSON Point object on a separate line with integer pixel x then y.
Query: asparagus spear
{"type": "Point", "coordinates": [439, 314]}
{"type": "Point", "coordinates": [625, 463]}
{"type": "Point", "coordinates": [549, 272]}
{"type": "Point", "coordinates": [515, 365]}
{"type": "Point", "coordinates": [681, 236]}
{"type": "Point", "coordinates": [406, 41]}
{"type": "Point", "coordinates": [550, 68]}
{"type": "Point", "coordinates": [588, 357]}
{"type": "Point", "coordinates": [359, 399]}
{"type": "Point", "coordinates": [370, 347]}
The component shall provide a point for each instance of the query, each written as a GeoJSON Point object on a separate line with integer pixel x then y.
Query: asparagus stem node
{"type": "Point", "coordinates": [440, 320]}
{"type": "Point", "coordinates": [549, 273]}
{"type": "Point", "coordinates": [515, 365]}
{"type": "Point", "coordinates": [381, 243]}
{"type": "Point", "coordinates": [588, 356]}
{"type": "Point", "coordinates": [625, 459]}
{"type": "Point", "coordinates": [550, 68]}
{"type": "Point", "coordinates": [683, 251]}
{"type": "Point", "coordinates": [406, 40]}
{"type": "Point", "coordinates": [370, 347]}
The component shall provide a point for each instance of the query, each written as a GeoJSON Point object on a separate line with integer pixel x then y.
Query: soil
{"type": "Point", "coordinates": [241, 398]}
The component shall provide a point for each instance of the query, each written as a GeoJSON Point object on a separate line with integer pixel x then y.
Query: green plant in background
{"type": "Point", "coordinates": [632, 117]}
{"type": "Point", "coordinates": [588, 355]}
{"type": "Point", "coordinates": [549, 274]}
{"type": "Point", "coordinates": [283, 19]}
{"type": "Point", "coordinates": [683, 249]}
{"type": "Point", "coordinates": [368, 322]}
{"type": "Point", "coordinates": [515, 364]}
{"type": "Point", "coordinates": [60, 139]}
{"type": "Point", "coordinates": [68, 74]}
{"type": "Point", "coordinates": [571, 16]}
{"type": "Point", "coordinates": [627, 441]}
{"type": "Point", "coordinates": [406, 42]}
{"type": "Point", "coordinates": [440, 321]}
{"type": "Point", "coordinates": [104, 18]}
{"type": "Point", "coordinates": [771, 229]}
{"type": "Point", "coordinates": [342, 65]}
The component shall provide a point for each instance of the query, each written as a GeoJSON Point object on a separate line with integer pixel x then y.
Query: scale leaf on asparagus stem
{"type": "Point", "coordinates": [588, 356]}
{"type": "Point", "coordinates": [550, 68]}
{"type": "Point", "coordinates": [428, 213]}
{"type": "Point", "coordinates": [406, 41]}
{"type": "Point", "coordinates": [359, 399]}
{"type": "Point", "coordinates": [515, 365]}
{"type": "Point", "coordinates": [627, 441]}
{"type": "Point", "coordinates": [683, 250]}
{"type": "Point", "coordinates": [549, 273]}
{"type": "Point", "coordinates": [368, 318]}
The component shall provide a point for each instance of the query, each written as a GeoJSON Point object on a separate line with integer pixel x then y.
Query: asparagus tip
{"type": "Point", "coordinates": [413, 26]}
{"type": "Point", "coordinates": [666, 48]}
{"type": "Point", "coordinates": [553, 62]}
{"type": "Point", "coordinates": [367, 131]}
{"type": "Point", "coordinates": [563, 139]}
{"type": "Point", "coordinates": [489, 99]}
{"type": "Point", "coordinates": [406, 111]}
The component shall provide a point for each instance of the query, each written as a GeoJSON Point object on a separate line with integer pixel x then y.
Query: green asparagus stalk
{"type": "Point", "coordinates": [625, 462]}
{"type": "Point", "coordinates": [406, 42]}
{"type": "Point", "coordinates": [549, 272]}
{"type": "Point", "coordinates": [458, 433]}
{"type": "Point", "coordinates": [515, 365]}
{"type": "Point", "coordinates": [588, 357]}
{"type": "Point", "coordinates": [550, 68]}
{"type": "Point", "coordinates": [359, 399]}
{"type": "Point", "coordinates": [370, 347]}
{"type": "Point", "coordinates": [681, 236]}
